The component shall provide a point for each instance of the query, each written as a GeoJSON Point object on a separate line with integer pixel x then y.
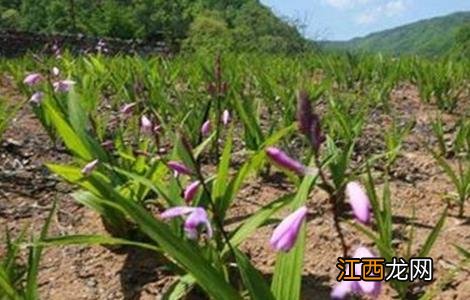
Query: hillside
{"type": "Point", "coordinates": [236, 25]}
{"type": "Point", "coordinates": [434, 36]}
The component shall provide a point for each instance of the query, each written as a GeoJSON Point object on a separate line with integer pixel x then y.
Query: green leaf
{"type": "Point", "coordinates": [252, 278]}
{"type": "Point", "coordinates": [287, 278]}
{"type": "Point", "coordinates": [433, 235]}
{"type": "Point", "coordinates": [72, 140]}
{"type": "Point", "coordinates": [31, 289]}
{"type": "Point", "coordinates": [462, 251]}
{"type": "Point", "coordinates": [6, 286]}
{"type": "Point", "coordinates": [252, 223]}
{"type": "Point", "coordinates": [221, 180]}
{"type": "Point", "coordinates": [288, 270]}
{"type": "Point", "coordinates": [92, 198]}
{"type": "Point", "coordinates": [185, 253]}
{"type": "Point", "coordinates": [385, 251]}
{"type": "Point", "coordinates": [448, 170]}
{"type": "Point", "coordinates": [77, 116]}
{"type": "Point", "coordinates": [155, 186]}
{"type": "Point", "coordinates": [254, 163]}
{"type": "Point", "coordinates": [253, 129]}
{"type": "Point", "coordinates": [91, 240]}
{"type": "Point", "coordinates": [180, 288]}
{"type": "Point", "coordinates": [201, 147]}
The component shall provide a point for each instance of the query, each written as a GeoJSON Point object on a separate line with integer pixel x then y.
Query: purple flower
{"type": "Point", "coordinates": [359, 202]}
{"type": "Point", "coordinates": [309, 122]}
{"type": "Point", "coordinates": [90, 167]}
{"type": "Point", "coordinates": [191, 191]}
{"type": "Point", "coordinates": [225, 117]}
{"type": "Point", "coordinates": [285, 234]}
{"type": "Point", "coordinates": [370, 288]}
{"type": "Point", "coordinates": [63, 85]}
{"type": "Point", "coordinates": [36, 98]}
{"type": "Point", "coordinates": [179, 168]}
{"type": "Point", "coordinates": [206, 128]}
{"type": "Point", "coordinates": [196, 216]}
{"type": "Point", "coordinates": [146, 126]}
{"type": "Point", "coordinates": [281, 159]}
{"type": "Point", "coordinates": [32, 79]}
{"type": "Point", "coordinates": [127, 109]}
{"type": "Point", "coordinates": [108, 145]}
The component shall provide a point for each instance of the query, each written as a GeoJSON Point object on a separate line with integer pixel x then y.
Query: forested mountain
{"type": "Point", "coordinates": [434, 36]}
{"type": "Point", "coordinates": [244, 25]}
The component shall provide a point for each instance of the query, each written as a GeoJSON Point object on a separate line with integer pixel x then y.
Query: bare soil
{"type": "Point", "coordinates": [27, 190]}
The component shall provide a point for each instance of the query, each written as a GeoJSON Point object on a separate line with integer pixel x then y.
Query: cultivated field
{"type": "Point", "coordinates": [152, 178]}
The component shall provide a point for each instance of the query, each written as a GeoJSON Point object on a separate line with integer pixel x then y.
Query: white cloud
{"type": "Point", "coordinates": [344, 4]}
{"type": "Point", "coordinates": [389, 9]}
{"type": "Point", "coordinates": [393, 8]}
{"type": "Point", "coordinates": [367, 17]}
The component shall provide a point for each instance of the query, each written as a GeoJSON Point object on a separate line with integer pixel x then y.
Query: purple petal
{"type": "Point", "coordinates": [281, 159]}
{"type": "Point", "coordinates": [304, 112]}
{"type": "Point", "coordinates": [108, 145]}
{"type": "Point", "coordinates": [176, 212]}
{"type": "Point", "coordinates": [196, 218]}
{"type": "Point", "coordinates": [127, 109]}
{"type": "Point", "coordinates": [225, 117]}
{"type": "Point", "coordinates": [191, 233]}
{"type": "Point", "coordinates": [90, 167]}
{"type": "Point", "coordinates": [179, 167]}
{"type": "Point", "coordinates": [309, 122]}
{"type": "Point", "coordinates": [146, 125]}
{"type": "Point", "coordinates": [341, 290]}
{"type": "Point", "coordinates": [191, 191]}
{"type": "Point", "coordinates": [359, 202]}
{"type": "Point", "coordinates": [285, 234]}
{"type": "Point", "coordinates": [32, 79]}
{"type": "Point", "coordinates": [206, 128]}
{"type": "Point", "coordinates": [36, 98]}
{"type": "Point", "coordinates": [365, 287]}
{"type": "Point", "coordinates": [63, 85]}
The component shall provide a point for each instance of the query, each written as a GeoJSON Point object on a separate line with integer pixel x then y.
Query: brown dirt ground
{"type": "Point", "coordinates": [27, 190]}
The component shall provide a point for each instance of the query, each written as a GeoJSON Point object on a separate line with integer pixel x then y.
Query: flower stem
{"type": "Point", "coordinates": [334, 199]}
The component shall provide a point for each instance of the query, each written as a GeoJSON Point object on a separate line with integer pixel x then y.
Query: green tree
{"type": "Point", "coordinates": [462, 41]}
{"type": "Point", "coordinates": [209, 32]}
{"type": "Point", "coordinates": [155, 18]}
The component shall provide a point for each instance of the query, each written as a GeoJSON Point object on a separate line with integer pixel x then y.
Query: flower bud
{"type": "Point", "coordinates": [225, 117]}
{"type": "Point", "coordinates": [146, 126]}
{"type": "Point", "coordinates": [206, 128]}
{"type": "Point", "coordinates": [309, 122]}
{"type": "Point", "coordinates": [369, 288]}
{"type": "Point", "coordinates": [191, 191]}
{"type": "Point", "coordinates": [37, 98]}
{"type": "Point", "coordinates": [282, 160]}
{"type": "Point", "coordinates": [55, 71]}
{"type": "Point", "coordinates": [32, 79]}
{"type": "Point", "coordinates": [108, 145]}
{"type": "Point", "coordinates": [63, 85]}
{"type": "Point", "coordinates": [127, 109]}
{"type": "Point", "coordinates": [90, 167]}
{"type": "Point", "coordinates": [359, 202]}
{"type": "Point", "coordinates": [285, 234]}
{"type": "Point", "coordinates": [179, 168]}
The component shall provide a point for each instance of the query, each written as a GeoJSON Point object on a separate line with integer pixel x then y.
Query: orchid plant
{"type": "Point", "coordinates": [153, 144]}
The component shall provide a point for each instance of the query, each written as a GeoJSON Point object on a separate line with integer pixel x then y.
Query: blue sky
{"type": "Point", "coordinates": [345, 19]}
